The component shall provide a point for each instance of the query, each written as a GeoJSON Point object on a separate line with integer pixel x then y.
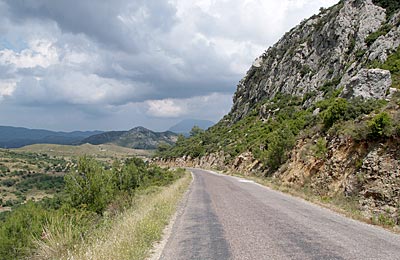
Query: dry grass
{"type": "Point", "coordinates": [130, 235]}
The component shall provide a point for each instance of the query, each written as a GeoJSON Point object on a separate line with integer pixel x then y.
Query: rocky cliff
{"type": "Point", "coordinates": [334, 47]}
{"type": "Point", "coordinates": [318, 111]}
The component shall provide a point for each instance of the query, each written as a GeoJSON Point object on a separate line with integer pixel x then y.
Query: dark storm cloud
{"type": "Point", "coordinates": [102, 20]}
{"type": "Point", "coordinates": [103, 61]}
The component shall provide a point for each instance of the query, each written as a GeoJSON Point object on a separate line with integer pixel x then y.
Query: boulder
{"type": "Point", "coordinates": [368, 83]}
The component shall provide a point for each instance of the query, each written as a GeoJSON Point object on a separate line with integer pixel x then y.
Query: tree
{"type": "Point", "coordinates": [278, 143]}
{"type": "Point", "coordinates": [196, 131]}
{"type": "Point", "coordinates": [162, 147]}
{"type": "Point", "coordinates": [335, 112]}
{"type": "Point", "coordinates": [91, 186]}
{"type": "Point", "coordinates": [380, 125]}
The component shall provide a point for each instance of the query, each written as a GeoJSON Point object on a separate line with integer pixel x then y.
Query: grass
{"type": "Point", "coordinates": [129, 235]}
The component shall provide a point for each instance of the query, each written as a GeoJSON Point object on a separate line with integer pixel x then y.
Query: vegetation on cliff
{"type": "Point", "coordinates": [272, 128]}
{"type": "Point", "coordinates": [327, 88]}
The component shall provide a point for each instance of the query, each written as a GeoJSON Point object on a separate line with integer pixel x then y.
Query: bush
{"type": "Point", "coordinates": [278, 144]}
{"type": "Point", "coordinates": [334, 113]}
{"type": "Point", "coordinates": [90, 187]}
{"type": "Point", "coordinates": [8, 182]}
{"type": "Point", "coordinates": [4, 169]}
{"type": "Point", "coordinates": [380, 125]}
{"type": "Point", "coordinates": [391, 6]}
{"type": "Point", "coordinates": [393, 65]}
{"type": "Point", "coordinates": [340, 109]}
{"type": "Point", "coordinates": [42, 182]}
{"type": "Point", "coordinates": [375, 35]}
{"type": "Point", "coordinates": [320, 148]}
{"type": "Point", "coordinates": [18, 229]}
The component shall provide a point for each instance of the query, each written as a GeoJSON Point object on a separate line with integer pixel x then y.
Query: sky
{"type": "Point", "coordinates": [113, 65]}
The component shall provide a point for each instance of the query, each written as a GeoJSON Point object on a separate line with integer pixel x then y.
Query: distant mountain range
{"type": "Point", "coordinates": [136, 138]}
{"type": "Point", "coordinates": [186, 125]}
{"type": "Point", "coordinates": [15, 137]}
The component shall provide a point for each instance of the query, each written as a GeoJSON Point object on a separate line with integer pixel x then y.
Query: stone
{"type": "Point", "coordinates": [367, 84]}
{"type": "Point", "coordinates": [313, 53]}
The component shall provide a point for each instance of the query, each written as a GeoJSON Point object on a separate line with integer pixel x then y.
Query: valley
{"type": "Point", "coordinates": [316, 119]}
{"type": "Point", "coordinates": [37, 171]}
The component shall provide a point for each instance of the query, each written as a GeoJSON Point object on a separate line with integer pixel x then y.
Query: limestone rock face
{"type": "Point", "coordinates": [328, 47]}
{"type": "Point", "coordinates": [372, 83]}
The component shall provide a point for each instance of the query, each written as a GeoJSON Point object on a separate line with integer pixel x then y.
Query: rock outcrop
{"type": "Point", "coordinates": [368, 83]}
{"type": "Point", "coordinates": [327, 48]}
{"type": "Point", "coordinates": [333, 52]}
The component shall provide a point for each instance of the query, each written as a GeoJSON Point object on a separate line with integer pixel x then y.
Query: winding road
{"type": "Point", "coordinates": [225, 217]}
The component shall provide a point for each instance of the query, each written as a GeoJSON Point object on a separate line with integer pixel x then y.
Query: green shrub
{"type": "Point", "coordinates": [380, 125]}
{"type": "Point", "coordinates": [391, 6]}
{"type": "Point", "coordinates": [18, 229]}
{"type": "Point", "coordinates": [42, 182]}
{"type": "Point", "coordinates": [90, 187]}
{"type": "Point", "coordinates": [339, 109]}
{"type": "Point", "coordinates": [329, 88]}
{"type": "Point", "coordinates": [360, 53]}
{"type": "Point", "coordinates": [278, 144]}
{"type": "Point", "coordinates": [320, 148]}
{"type": "Point", "coordinates": [8, 182]}
{"type": "Point", "coordinates": [393, 65]}
{"type": "Point", "coordinates": [335, 112]}
{"type": "Point", "coordinates": [375, 35]}
{"type": "Point", "coordinates": [4, 169]}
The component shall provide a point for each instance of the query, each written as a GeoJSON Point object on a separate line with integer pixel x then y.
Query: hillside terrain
{"type": "Point", "coordinates": [136, 138]}
{"type": "Point", "coordinates": [185, 126]}
{"type": "Point", "coordinates": [101, 152]}
{"type": "Point", "coordinates": [318, 112]}
{"type": "Point", "coordinates": [37, 171]}
{"type": "Point", "coordinates": [30, 176]}
{"type": "Point", "coordinates": [15, 137]}
{"type": "Point", "coordinates": [68, 207]}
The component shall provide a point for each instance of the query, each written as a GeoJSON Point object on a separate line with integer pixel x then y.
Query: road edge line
{"type": "Point", "coordinates": [158, 247]}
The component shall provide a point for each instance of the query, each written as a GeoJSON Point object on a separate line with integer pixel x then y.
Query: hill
{"type": "Point", "coordinates": [186, 125]}
{"type": "Point", "coordinates": [14, 137]}
{"type": "Point", "coordinates": [136, 138]}
{"type": "Point", "coordinates": [318, 112]}
{"type": "Point", "coordinates": [106, 151]}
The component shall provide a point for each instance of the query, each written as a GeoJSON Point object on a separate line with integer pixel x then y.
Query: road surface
{"type": "Point", "coordinates": [225, 217]}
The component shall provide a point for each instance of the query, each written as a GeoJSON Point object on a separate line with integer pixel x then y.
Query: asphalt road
{"type": "Point", "coordinates": [224, 217]}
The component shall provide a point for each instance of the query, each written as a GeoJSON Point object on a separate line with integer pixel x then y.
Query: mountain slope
{"type": "Point", "coordinates": [327, 50]}
{"type": "Point", "coordinates": [186, 125]}
{"type": "Point", "coordinates": [15, 137]}
{"type": "Point", "coordinates": [319, 111]}
{"type": "Point", "coordinates": [137, 138]}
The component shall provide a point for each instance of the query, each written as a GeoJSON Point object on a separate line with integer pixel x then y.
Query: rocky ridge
{"type": "Point", "coordinates": [328, 48]}
{"type": "Point", "coordinates": [337, 49]}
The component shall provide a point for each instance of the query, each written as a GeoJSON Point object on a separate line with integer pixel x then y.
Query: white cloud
{"type": "Point", "coordinates": [40, 53]}
{"type": "Point", "coordinates": [166, 108]}
{"type": "Point", "coordinates": [211, 107]}
{"type": "Point", "coordinates": [7, 88]}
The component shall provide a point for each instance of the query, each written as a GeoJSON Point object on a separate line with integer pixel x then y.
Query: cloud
{"type": "Point", "coordinates": [215, 103]}
{"type": "Point", "coordinates": [165, 108]}
{"type": "Point", "coordinates": [167, 56]}
{"type": "Point", "coordinates": [7, 88]}
{"type": "Point", "coordinates": [39, 53]}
